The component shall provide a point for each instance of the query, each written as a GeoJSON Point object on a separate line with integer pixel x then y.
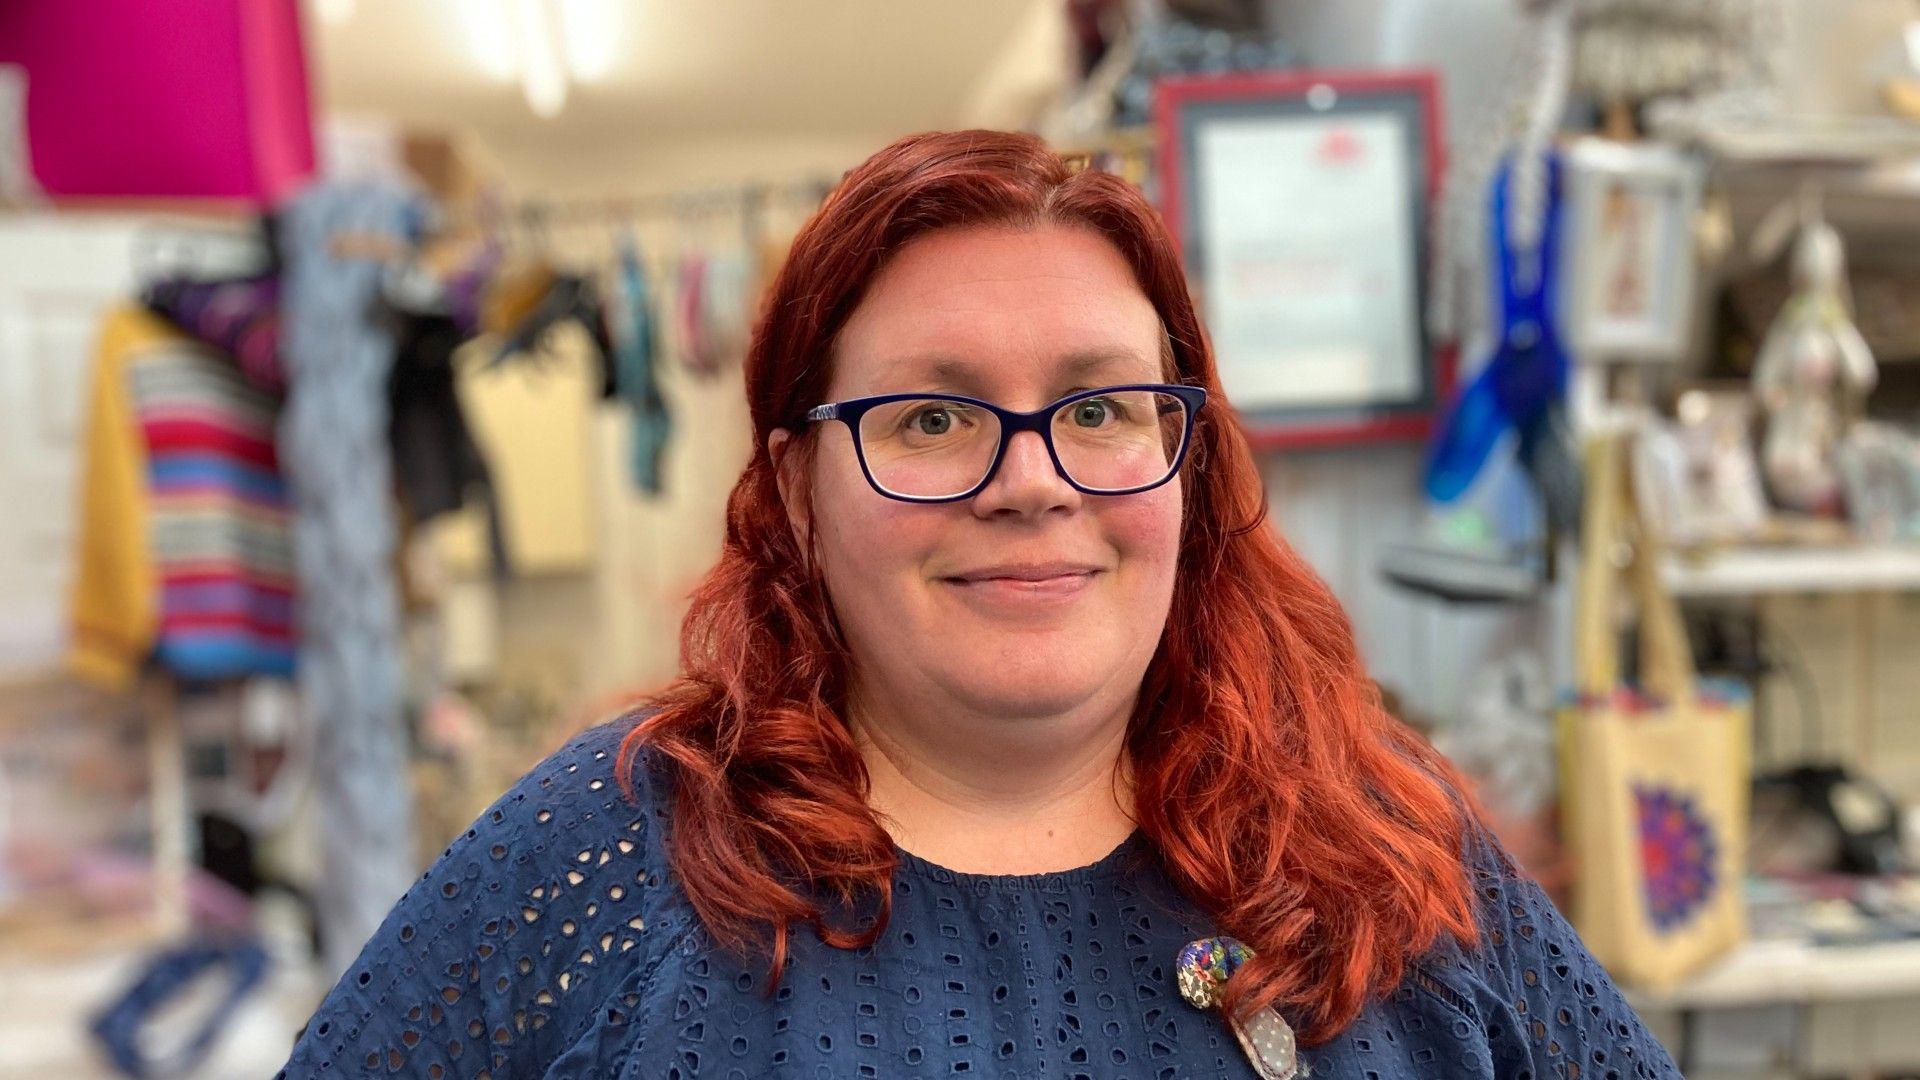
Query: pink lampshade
{"type": "Point", "coordinates": [201, 99]}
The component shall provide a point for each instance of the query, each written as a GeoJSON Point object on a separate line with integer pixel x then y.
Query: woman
{"type": "Point", "coordinates": [1001, 696]}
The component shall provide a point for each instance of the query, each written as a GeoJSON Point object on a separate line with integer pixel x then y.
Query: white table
{"type": "Point", "coordinates": [1796, 973]}
{"type": "Point", "coordinates": [1813, 1011]}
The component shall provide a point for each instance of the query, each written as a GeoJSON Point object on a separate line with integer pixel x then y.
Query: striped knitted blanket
{"type": "Point", "coordinates": [218, 515]}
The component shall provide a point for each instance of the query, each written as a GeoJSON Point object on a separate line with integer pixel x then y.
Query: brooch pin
{"type": "Point", "coordinates": [1202, 970]}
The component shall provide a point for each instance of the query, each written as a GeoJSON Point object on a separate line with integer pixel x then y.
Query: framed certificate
{"type": "Point", "coordinates": [1301, 202]}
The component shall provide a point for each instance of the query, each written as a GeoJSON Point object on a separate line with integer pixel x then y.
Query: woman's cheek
{"type": "Point", "coordinates": [1147, 526]}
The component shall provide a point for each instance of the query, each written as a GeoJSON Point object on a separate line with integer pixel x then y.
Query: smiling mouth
{"type": "Point", "coordinates": [1061, 584]}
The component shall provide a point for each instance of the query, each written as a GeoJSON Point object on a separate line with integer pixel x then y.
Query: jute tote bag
{"type": "Point", "coordinates": [1655, 778]}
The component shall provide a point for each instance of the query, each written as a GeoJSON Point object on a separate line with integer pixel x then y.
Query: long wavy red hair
{"type": "Point", "coordinates": [1275, 790]}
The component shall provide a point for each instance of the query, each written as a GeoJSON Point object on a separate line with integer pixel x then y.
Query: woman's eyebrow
{"type": "Point", "coordinates": [1082, 361]}
{"type": "Point", "coordinates": [933, 372]}
{"type": "Point", "coordinates": [944, 371]}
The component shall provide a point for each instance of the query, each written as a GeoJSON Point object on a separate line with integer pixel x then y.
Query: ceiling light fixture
{"type": "Point", "coordinates": [546, 46]}
{"type": "Point", "coordinates": [543, 67]}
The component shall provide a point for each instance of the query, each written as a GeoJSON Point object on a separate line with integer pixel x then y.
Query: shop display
{"type": "Point", "coordinates": [185, 550]}
{"type": "Point", "coordinates": [77, 810]}
{"type": "Point", "coordinates": [1812, 377]}
{"type": "Point", "coordinates": [1880, 471]}
{"type": "Point", "coordinates": [383, 488]}
{"type": "Point", "coordinates": [1630, 51]}
{"type": "Point", "coordinates": [1696, 477]}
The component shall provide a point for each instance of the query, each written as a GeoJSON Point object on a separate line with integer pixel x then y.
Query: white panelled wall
{"type": "Point", "coordinates": [59, 273]}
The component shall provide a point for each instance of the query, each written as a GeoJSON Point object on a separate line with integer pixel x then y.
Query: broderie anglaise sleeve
{"type": "Point", "coordinates": [504, 950]}
{"type": "Point", "coordinates": [1546, 1005]}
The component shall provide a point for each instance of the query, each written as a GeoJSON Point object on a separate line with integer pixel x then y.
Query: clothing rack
{"type": "Point", "coordinates": [750, 201]}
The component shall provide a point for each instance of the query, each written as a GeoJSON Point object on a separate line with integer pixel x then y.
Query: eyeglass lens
{"type": "Point", "coordinates": [933, 447]}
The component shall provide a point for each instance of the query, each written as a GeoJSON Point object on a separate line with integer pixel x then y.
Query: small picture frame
{"type": "Point", "coordinates": [1632, 210]}
{"type": "Point", "coordinates": [1302, 203]}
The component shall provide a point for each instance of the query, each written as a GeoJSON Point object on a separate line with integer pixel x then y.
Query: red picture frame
{"type": "Point", "coordinates": [1411, 97]}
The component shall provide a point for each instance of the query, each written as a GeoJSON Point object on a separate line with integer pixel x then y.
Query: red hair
{"type": "Point", "coordinates": [1275, 790]}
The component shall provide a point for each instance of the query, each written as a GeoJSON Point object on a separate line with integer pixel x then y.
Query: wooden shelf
{"type": "Point", "coordinates": [1747, 571]}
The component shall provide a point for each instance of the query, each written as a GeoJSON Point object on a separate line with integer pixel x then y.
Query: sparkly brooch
{"type": "Point", "coordinates": [1203, 969]}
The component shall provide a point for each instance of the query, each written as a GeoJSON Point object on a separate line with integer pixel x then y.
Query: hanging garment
{"type": "Point", "coordinates": [240, 318]}
{"type": "Point", "coordinates": [185, 550]}
{"type": "Point", "coordinates": [333, 443]}
{"type": "Point", "coordinates": [635, 352]}
{"type": "Point", "coordinates": [219, 526]}
{"type": "Point", "coordinates": [696, 352]}
{"type": "Point", "coordinates": [438, 464]}
{"type": "Point", "coordinates": [116, 595]}
{"type": "Point", "coordinates": [568, 298]}
{"type": "Point", "coordinates": [726, 301]}
{"type": "Point", "coordinates": [465, 287]}
{"type": "Point", "coordinates": [511, 294]}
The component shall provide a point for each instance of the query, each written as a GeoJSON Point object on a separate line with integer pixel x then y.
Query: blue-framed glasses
{"type": "Point", "coordinates": [934, 448]}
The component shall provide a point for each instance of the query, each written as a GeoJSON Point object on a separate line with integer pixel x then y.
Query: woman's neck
{"type": "Point", "coordinates": [989, 795]}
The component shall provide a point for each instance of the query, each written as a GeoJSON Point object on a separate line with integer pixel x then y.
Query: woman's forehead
{"type": "Point", "coordinates": [989, 306]}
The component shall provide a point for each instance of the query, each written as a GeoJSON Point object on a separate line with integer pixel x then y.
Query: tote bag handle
{"type": "Point", "coordinates": [1617, 541]}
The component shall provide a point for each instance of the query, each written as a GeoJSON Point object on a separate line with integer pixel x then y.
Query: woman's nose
{"type": "Point", "coordinates": [1026, 482]}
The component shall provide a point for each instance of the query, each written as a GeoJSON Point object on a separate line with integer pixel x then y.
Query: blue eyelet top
{"type": "Point", "coordinates": [551, 940]}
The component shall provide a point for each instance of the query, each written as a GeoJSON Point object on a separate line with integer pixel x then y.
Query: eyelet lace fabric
{"type": "Point", "coordinates": [550, 941]}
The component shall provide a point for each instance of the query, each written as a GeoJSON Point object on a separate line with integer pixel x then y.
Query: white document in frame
{"type": "Point", "coordinates": [1309, 260]}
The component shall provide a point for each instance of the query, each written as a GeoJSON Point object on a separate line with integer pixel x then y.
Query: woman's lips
{"type": "Point", "coordinates": [1023, 591]}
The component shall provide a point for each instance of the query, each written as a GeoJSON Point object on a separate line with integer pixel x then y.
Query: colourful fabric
{"type": "Point", "coordinates": [696, 352]}
{"type": "Point", "coordinates": [636, 357]}
{"type": "Point", "coordinates": [240, 318]}
{"type": "Point", "coordinates": [184, 549]}
{"type": "Point", "coordinates": [115, 594]}
{"type": "Point", "coordinates": [218, 515]}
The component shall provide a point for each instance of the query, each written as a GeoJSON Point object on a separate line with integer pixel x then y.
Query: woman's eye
{"type": "Point", "coordinates": [1092, 412]}
{"type": "Point", "coordinates": [933, 420]}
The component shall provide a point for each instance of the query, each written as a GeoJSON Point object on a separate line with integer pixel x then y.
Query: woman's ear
{"type": "Point", "coordinates": [779, 446]}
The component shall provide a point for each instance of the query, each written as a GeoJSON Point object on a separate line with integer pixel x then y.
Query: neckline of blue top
{"type": "Point", "coordinates": [1121, 860]}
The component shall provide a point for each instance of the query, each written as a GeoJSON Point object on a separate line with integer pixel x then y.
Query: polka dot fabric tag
{"type": "Point", "coordinates": [1202, 969]}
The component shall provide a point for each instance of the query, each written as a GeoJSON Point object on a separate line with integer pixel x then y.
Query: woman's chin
{"type": "Point", "coordinates": [1033, 686]}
